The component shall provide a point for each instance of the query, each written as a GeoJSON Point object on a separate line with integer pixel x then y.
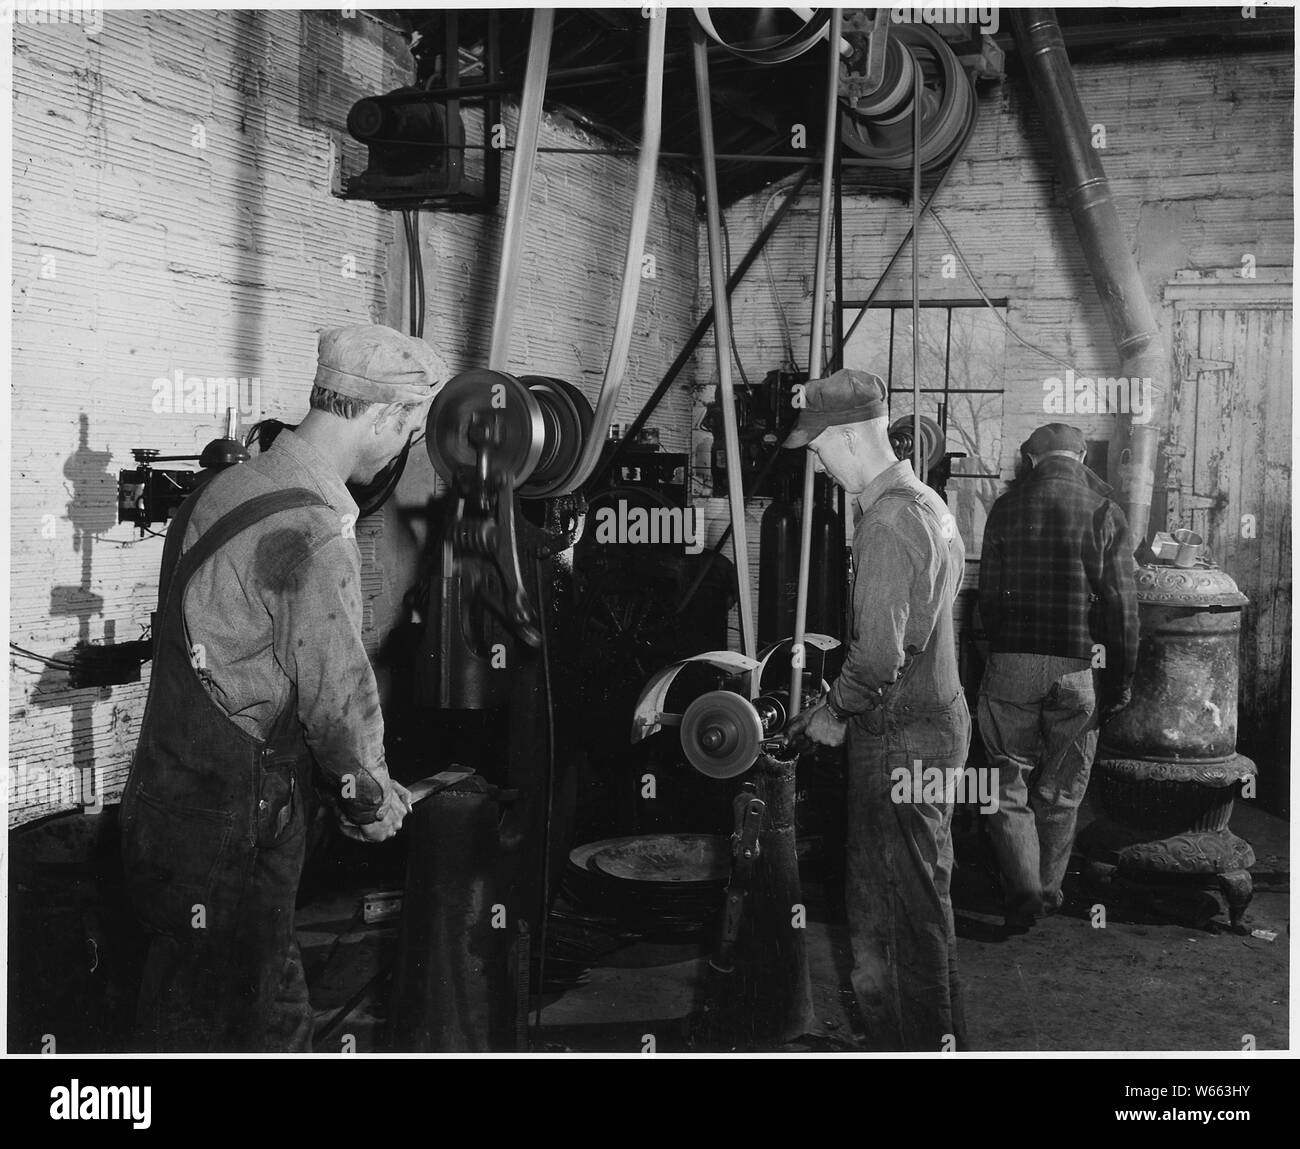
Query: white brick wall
{"type": "Point", "coordinates": [1199, 159]}
{"type": "Point", "coordinates": [226, 261]}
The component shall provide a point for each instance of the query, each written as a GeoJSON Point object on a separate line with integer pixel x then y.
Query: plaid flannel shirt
{"type": "Point", "coordinates": [1056, 574]}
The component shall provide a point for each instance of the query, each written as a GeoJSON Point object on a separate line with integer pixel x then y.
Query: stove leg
{"type": "Point", "coordinates": [1238, 889]}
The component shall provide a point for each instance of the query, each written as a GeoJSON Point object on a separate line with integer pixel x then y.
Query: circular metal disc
{"type": "Point", "coordinates": [487, 397]}
{"type": "Point", "coordinates": [586, 419]}
{"type": "Point", "coordinates": [720, 734]}
{"type": "Point", "coordinates": [681, 860]}
{"type": "Point", "coordinates": [567, 419]}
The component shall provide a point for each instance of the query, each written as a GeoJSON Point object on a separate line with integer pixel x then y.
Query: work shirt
{"type": "Point", "coordinates": [279, 606]}
{"type": "Point", "coordinates": [1056, 573]}
{"type": "Point", "coordinates": [908, 562]}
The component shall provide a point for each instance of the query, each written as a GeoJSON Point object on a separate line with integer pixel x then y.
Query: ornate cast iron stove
{"type": "Point", "coordinates": [1167, 770]}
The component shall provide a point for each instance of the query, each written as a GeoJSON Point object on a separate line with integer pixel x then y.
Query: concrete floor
{"type": "Point", "coordinates": [1155, 979]}
{"type": "Point", "coordinates": [1143, 983]}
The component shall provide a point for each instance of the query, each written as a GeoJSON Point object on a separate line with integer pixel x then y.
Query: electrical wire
{"type": "Point", "coordinates": [41, 657]}
{"type": "Point", "coordinates": [417, 267]}
{"type": "Point", "coordinates": [726, 259]}
{"type": "Point", "coordinates": [129, 542]}
{"type": "Point", "coordinates": [771, 279]}
{"type": "Point", "coordinates": [991, 306]}
{"type": "Point", "coordinates": [410, 278]}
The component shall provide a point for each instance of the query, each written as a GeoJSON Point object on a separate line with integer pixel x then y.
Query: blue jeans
{"type": "Point", "coordinates": [898, 878]}
{"type": "Point", "coordinates": [1038, 720]}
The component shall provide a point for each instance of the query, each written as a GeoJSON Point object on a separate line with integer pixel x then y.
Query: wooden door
{"type": "Point", "coordinates": [1229, 451]}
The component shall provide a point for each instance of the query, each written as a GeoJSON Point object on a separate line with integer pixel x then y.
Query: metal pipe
{"type": "Point", "coordinates": [816, 346]}
{"type": "Point", "coordinates": [722, 344]}
{"type": "Point", "coordinates": [1105, 247]}
{"type": "Point", "coordinates": [521, 186]}
{"type": "Point", "coordinates": [643, 201]}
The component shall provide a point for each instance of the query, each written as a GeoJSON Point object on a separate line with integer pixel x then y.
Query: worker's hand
{"type": "Point", "coordinates": [816, 725]}
{"type": "Point", "coordinates": [391, 815]}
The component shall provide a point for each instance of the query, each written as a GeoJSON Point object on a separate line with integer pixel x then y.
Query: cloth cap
{"type": "Point", "coordinates": [843, 397]}
{"type": "Point", "coordinates": [378, 365]}
{"type": "Point", "coordinates": [1054, 437]}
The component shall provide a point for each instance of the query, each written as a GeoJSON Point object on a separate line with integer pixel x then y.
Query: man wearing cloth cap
{"type": "Point", "coordinates": [900, 702]}
{"type": "Point", "coordinates": [259, 671]}
{"type": "Point", "coordinates": [1056, 592]}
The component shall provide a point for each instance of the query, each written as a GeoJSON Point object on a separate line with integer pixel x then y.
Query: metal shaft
{"type": "Point", "coordinates": [521, 186]}
{"type": "Point", "coordinates": [816, 342]}
{"type": "Point", "coordinates": [916, 265]}
{"type": "Point", "coordinates": [722, 343]}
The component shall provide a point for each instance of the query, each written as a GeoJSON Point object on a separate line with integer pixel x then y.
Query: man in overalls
{"type": "Point", "coordinates": [259, 670]}
{"type": "Point", "coordinates": [899, 700]}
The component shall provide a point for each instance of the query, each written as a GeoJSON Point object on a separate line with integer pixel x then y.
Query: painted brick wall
{"type": "Point", "coordinates": [1198, 154]}
{"type": "Point", "coordinates": [138, 253]}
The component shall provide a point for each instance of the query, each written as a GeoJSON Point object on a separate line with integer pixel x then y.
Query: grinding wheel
{"type": "Point", "coordinates": [720, 734]}
{"type": "Point", "coordinates": [489, 398]}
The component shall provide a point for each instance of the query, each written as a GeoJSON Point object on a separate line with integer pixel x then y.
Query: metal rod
{"type": "Point", "coordinates": [898, 251]}
{"type": "Point", "coordinates": [916, 265]}
{"type": "Point", "coordinates": [722, 344]}
{"type": "Point", "coordinates": [719, 157]}
{"type": "Point", "coordinates": [521, 185]}
{"type": "Point", "coordinates": [702, 328]}
{"type": "Point", "coordinates": [816, 347]}
{"type": "Point", "coordinates": [643, 201]}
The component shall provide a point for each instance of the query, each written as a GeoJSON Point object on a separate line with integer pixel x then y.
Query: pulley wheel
{"type": "Point", "coordinates": [932, 440]}
{"type": "Point", "coordinates": [481, 399]}
{"type": "Point", "coordinates": [947, 107]}
{"type": "Point", "coordinates": [567, 418]}
{"type": "Point", "coordinates": [720, 734]}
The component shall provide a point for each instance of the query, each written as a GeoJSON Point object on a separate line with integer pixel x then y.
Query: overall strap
{"type": "Point", "coordinates": [176, 535]}
{"type": "Point", "coordinates": [231, 524]}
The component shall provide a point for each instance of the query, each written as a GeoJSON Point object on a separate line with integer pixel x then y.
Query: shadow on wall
{"type": "Point", "coordinates": [91, 510]}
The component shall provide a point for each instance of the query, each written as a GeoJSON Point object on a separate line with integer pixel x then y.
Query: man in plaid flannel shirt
{"type": "Point", "coordinates": [1057, 601]}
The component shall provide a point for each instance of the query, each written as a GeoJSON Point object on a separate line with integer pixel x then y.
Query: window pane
{"type": "Point", "coordinates": [868, 347]}
{"type": "Point", "coordinates": [934, 349]}
{"type": "Point", "coordinates": [978, 345]}
{"type": "Point", "coordinates": [962, 371]}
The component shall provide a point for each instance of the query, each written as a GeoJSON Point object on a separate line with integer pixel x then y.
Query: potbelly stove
{"type": "Point", "coordinates": [1167, 771]}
